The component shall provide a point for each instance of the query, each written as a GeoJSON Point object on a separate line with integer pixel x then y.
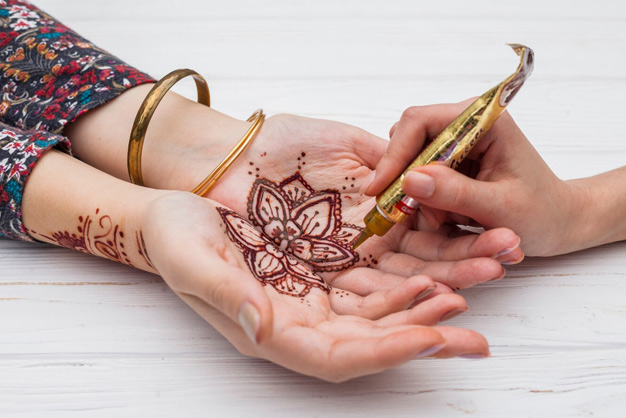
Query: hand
{"type": "Point", "coordinates": [512, 188]}
{"type": "Point", "coordinates": [312, 171]}
{"type": "Point", "coordinates": [186, 140]}
{"type": "Point", "coordinates": [218, 263]}
{"type": "Point", "coordinates": [269, 305]}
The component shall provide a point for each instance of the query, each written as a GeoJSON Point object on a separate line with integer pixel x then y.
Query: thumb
{"type": "Point", "coordinates": [441, 187]}
{"type": "Point", "coordinates": [231, 290]}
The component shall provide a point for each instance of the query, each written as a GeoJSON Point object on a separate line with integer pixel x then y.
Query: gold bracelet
{"type": "Point", "coordinates": [146, 110]}
{"type": "Point", "coordinates": [257, 119]}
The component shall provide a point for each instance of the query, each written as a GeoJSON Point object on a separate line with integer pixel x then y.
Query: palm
{"type": "Point", "coordinates": [300, 184]}
{"type": "Point", "coordinates": [309, 334]}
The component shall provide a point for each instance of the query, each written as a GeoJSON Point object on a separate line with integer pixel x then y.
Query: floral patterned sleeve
{"type": "Point", "coordinates": [49, 75]}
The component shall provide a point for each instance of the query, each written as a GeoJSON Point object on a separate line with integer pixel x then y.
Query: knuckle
{"type": "Point", "coordinates": [461, 196]}
{"type": "Point", "coordinates": [412, 112]}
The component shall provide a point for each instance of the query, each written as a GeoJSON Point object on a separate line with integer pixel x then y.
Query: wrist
{"type": "Point", "coordinates": [601, 204]}
{"type": "Point", "coordinates": [184, 141]}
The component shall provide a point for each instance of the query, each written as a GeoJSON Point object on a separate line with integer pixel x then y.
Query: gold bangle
{"type": "Point", "coordinates": [257, 119]}
{"type": "Point", "coordinates": [146, 110]}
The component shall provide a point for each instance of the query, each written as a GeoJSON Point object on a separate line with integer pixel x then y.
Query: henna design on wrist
{"type": "Point", "coordinates": [143, 251]}
{"type": "Point", "coordinates": [102, 238]}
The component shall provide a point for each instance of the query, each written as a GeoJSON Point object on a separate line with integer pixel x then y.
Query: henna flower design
{"type": "Point", "coordinates": [304, 223]}
{"type": "Point", "coordinates": [269, 264]}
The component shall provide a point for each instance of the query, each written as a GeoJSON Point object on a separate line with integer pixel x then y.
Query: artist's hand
{"type": "Point", "coordinates": [300, 182]}
{"type": "Point", "coordinates": [503, 183]}
{"type": "Point", "coordinates": [295, 320]}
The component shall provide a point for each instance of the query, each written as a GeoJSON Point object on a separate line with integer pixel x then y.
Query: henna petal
{"type": "Point", "coordinates": [265, 203]}
{"type": "Point", "coordinates": [347, 234]}
{"type": "Point", "coordinates": [296, 189]}
{"type": "Point", "coordinates": [301, 249]}
{"type": "Point", "coordinates": [319, 216]}
{"type": "Point", "coordinates": [329, 255]}
{"type": "Point", "coordinates": [241, 232]}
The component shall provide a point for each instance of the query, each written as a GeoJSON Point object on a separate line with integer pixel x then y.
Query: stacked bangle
{"type": "Point", "coordinates": [147, 109]}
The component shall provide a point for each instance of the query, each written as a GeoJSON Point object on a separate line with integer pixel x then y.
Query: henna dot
{"type": "Point", "coordinates": [250, 172]}
{"type": "Point", "coordinates": [346, 178]}
{"type": "Point", "coordinates": [256, 176]}
{"type": "Point", "coordinates": [258, 169]}
{"type": "Point", "coordinates": [344, 187]}
{"type": "Point", "coordinates": [80, 219]}
{"type": "Point", "coordinates": [97, 211]}
{"type": "Point", "coordinates": [121, 234]}
{"type": "Point", "coordinates": [303, 154]}
{"type": "Point", "coordinates": [353, 178]}
{"type": "Point", "coordinates": [251, 163]}
{"type": "Point", "coordinates": [303, 162]}
{"type": "Point", "coordinates": [110, 242]}
{"type": "Point", "coordinates": [124, 254]}
{"type": "Point", "coordinates": [298, 158]}
{"type": "Point", "coordinates": [79, 229]}
{"type": "Point", "coordinates": [299, 168]}
{"type": "Point", "coordinates": [121, 245]}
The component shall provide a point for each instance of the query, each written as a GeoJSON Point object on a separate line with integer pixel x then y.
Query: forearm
{"type": "Point", "coordinates": [599, 212]}
{"type": "Point", "coordinates": [182, 137]}
{"type": "Point", "coordinates": [70, 204]}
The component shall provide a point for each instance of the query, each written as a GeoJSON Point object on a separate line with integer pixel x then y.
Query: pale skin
{"type": "Point", "coordinates": [513, 188]}
{"type": "Point", "coordinates": [384, 298]}
{"type": "Point", "coordinates": [185, 239]}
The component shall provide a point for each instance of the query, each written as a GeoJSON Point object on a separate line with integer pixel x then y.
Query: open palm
{"type": "Point", "coordinates": [218, 263]}
{"type": "Point", "coordinates": [300, 184]}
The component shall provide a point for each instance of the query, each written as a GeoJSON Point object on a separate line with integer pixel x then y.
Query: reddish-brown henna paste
{"type": "Point", "coordinates": [269, 264]}
{"type": "Point", "coordinates": [104, 238]}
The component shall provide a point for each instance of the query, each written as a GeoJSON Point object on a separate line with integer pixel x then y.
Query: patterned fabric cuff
{"type": "Point", "coordinates": [50, 75]}
{"type": "Point", "coordinates": [19, 152]}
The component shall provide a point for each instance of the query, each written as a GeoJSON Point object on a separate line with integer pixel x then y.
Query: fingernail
{"type": "Point", "coordinates": [367, 182]}
{"type": "Point", "coordinates": [421, 295]}
{"type": "Point", "coordinates": [510, 263]}
{"type": "Point", "coordinates": [419, 184]}
{"type": "Point", "coordinates": [250, 320]}
{"type": "Point", "coordinates": [452, 314]}
{"type": "Point", "coordinates": [430, 351]}
{"type": "Point", "coordinates": [473, 356]}
{"type": "Point", "coordinates": [510, 249]}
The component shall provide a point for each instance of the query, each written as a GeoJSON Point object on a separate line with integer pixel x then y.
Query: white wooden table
{"type": "Point", "coordinates": [80, 336]}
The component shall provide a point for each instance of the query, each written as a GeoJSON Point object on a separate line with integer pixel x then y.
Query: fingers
{"type": "Point", "coordinates": [359, 357]}
{"type": "Point", "coordinates": [408, 136]}
{"type": "Point", "coordinates": [459, 274]}
{"type": "Point", "coordinates": [380, 303]}
{"type": "Point", "coordinates": [434, 246]}
{"type": "Point", "coordinates": [441, 187]}
{"type": "Point", "coordinates": [429, 312]}
{"type": "Point", "coordinates": [462, 343]}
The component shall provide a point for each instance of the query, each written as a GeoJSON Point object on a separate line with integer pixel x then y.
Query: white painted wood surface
{"type": "Point", "coordinates": [80, 336]}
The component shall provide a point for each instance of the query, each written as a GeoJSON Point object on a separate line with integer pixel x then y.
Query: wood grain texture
{"type": "Point", "coordinates": [80, 336]}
